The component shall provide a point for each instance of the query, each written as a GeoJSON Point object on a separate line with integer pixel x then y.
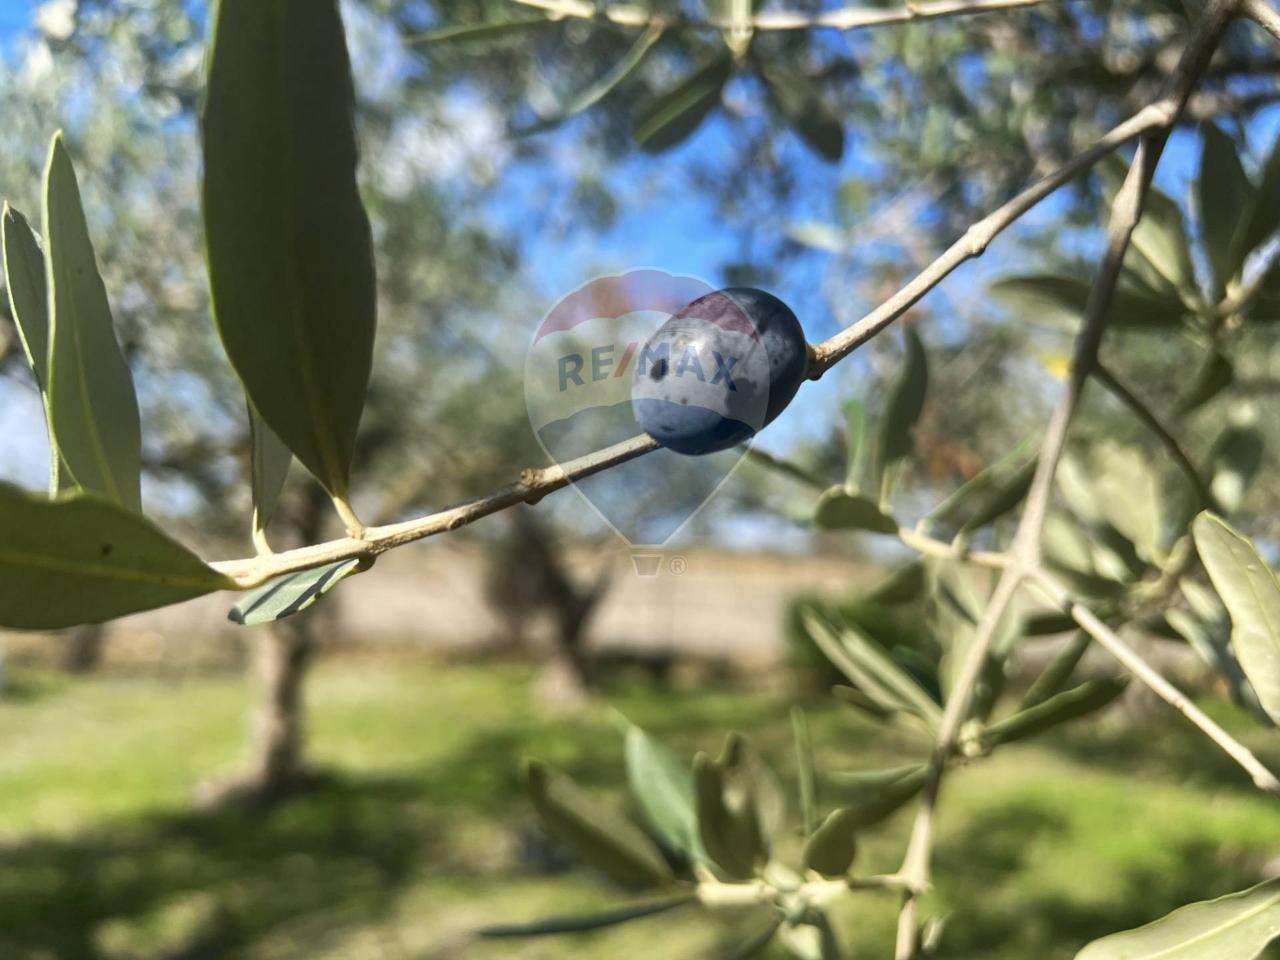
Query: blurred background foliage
{"type": "Point", "coordinates": [828, 167]}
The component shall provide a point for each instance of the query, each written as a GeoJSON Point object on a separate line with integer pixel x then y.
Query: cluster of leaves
{"type": "Point", "coordinates": [1161, 288]}
{"type": "Point", "coordinates": [707, 834]}
{"type": "Point", "coordinates": [293, 287]}
{"type": "Point", "coordinates": [672, 114]}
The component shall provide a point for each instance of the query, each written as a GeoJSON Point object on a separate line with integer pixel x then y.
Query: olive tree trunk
{"type": "Point", "coordinates": [283, 652]}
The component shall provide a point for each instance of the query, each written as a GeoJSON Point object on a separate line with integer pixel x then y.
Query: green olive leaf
{"type": "Point", "coordinates": [832, 847]}
{"type": "Point", "coordinates": [1058, 672]}
{"type": "Point", "coordinates": [490, 30]}
{"type": "Point", "coordinates": [1249, 590]}
{"type": "Point", "coordinates": [292, 593]}
{"type": "Point", "coordinates": [602, 838]}
{"type": "Point", "coordinates": [1225, 196]}
{"type": "Point", "coordinates": [1059, 301]}
{"type": "Point", "coordinates": [1215, 374]}
{"type": "Point", "coordinates": [93, 410]}
{"type": "Point", "coordinates": [82, 559]}
{"type": "Point", "coordinates": [663, 787]}
{"type": "Point", "coordinates": [289, 247]}
{"type": "Point", "coordinates": [803, 107]}
{"type": "Point", "coordinates": [1264, 212]}
{"type": "Point", "coordinates": [24, 276]}
{"type": "Point", "coordinates": [24, 272]}
{"type": "Point", "coordinates": [269, 469]}
{"type": "Point", "coordinates": [1088, 697]}
{"type": "Point", "coordinates": [1235, 927]}
{"type": "Point", "coordinates": [610, 81]}
{"type": "Point", "coordinates": [896, 437]}
{"type": "Point", "coordinates": [839, 509]}
{"type": "Point", "coordinates": [875, 795]}
{"type": "Point", "coordinates": [674, 115]}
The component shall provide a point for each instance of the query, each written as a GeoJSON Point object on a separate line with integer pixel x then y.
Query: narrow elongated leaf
{"type": "Point", "coordinates": [1127, 493]}
{"type": "Point", "coordinates": [1248, 588]}
{"type": "Point", "coordinates": [902, 586]}
{"type": "Point", "coordinates": [832, 847]}
{"type": "Point", "coordinates": [1225, 195]}
{"type": "Point", "coordinates": [864, 662]}
{"type": "Point", "coordinates": [602, 838]}
{"type": "Point", "coordinates": [866, 782]}
{"type": "Point", "coordinates": [957, 508]}
{"type": "Point", "coordinates": [1214, 376]}
{"type": "Point", "coordinates": [270, 468]}
{"type": "Point", "coordinates": [1161, 235]}
{"type": "Point", "coordinates": [895, 439]}
{"type": "Point", "coordinates": [877, 795]}
{"type": "Point", "coordinates": [93, 409]}
{"type": "Point", "coordinates": [85, 559]}
{"type": "Point", "coordinates": [24, 271]}
{"type": "Point", "coordinates": [292, 593]}
{"type": "Point", "coordinates": [581, 924]}
{"type": "Point", "coordinates": [609, 82]}
{"type": "Point", "coordinates": [24, 275]}
{"type": "Point", "coordinates": [1212, 643]}
{"type": "Point", "coordinates": [1060, 301]}
{"type": "Point", "coordinates": [1005, 497]}
{"type": "Point", "coordinates": [727, 820]}
{"type": "Point", "coordinates": [806, 111]}
{"type": "Point", "coordinates": [805, 774]}
{"type": "Point", "coordinates": [663, 787]}
{"type": "Point", "coordinates": [1071, 704]}
{"type": "Point", "coordinates": [1264, 212]}
{"type": "Point", "coordinates": [1235, 927]}
{"type": "Point", "coordinates": [463, 32]}
{"type": "Point", "coordinates": [854, 697]}
{"type": "Point", "coordinates": [741, 765]}
{"type": "Point", "coordinates": [1057, 673]}
{"type": "Point", "coordinates": [839, 509]}
{"type": "Point", "coordinates": [678, 112]}
{"type": "Point", "coordinates": [290, 253]}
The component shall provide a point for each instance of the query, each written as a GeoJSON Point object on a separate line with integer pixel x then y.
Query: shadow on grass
{"type": "Point", "coordinates": [202, 885]}
{"type": "Point", "coordinates": [983, 873]}
{"type": "Point", "coordinates": [1167, 747]}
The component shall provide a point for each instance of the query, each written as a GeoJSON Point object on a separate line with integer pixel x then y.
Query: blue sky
{"type": "Point", "coordinates": [15, 15]}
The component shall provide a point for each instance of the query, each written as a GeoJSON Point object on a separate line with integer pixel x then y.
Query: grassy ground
{"type": "Point", "coordinates": [425, 834]}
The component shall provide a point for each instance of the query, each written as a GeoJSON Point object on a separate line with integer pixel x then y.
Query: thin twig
{"type": "Point", "coordinates": [978, 237]}
{"type": "Point", "coordinates": [846, 18]}
{"type": "Point", "coordinates": [533, 485]}
{"type": "Point", "coordinates": [1144, 413]}
{"type": "Point", "coordinates": [376, 540]}
{"type": "Point", "coordinates": [1107, 638]}
{"type": "Point", "coordinates": [1024, 558]}
{"type": "Point", "coordinates": [955, 550]}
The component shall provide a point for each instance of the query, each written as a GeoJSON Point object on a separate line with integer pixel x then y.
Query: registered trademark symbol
{"type": "Point", "coordinates": [678, 565]}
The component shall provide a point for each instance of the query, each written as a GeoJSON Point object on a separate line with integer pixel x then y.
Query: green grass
{"type": "Point", "coordinates": [424, 833]}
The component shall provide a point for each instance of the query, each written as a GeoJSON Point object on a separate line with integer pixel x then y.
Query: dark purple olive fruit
{"type": "Point", "coordinates": [719, 371]}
